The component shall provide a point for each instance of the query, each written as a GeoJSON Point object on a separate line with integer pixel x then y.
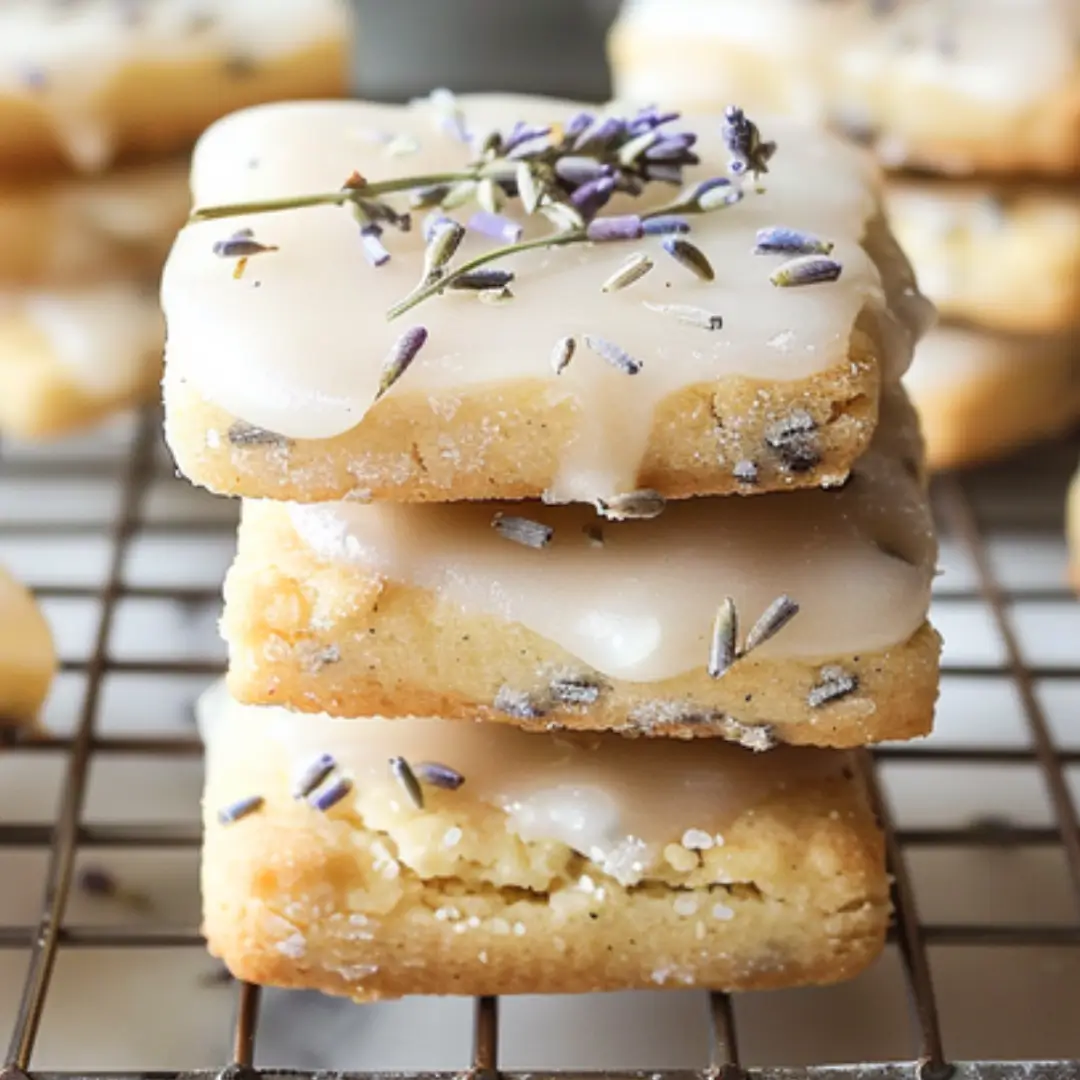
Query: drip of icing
{"type": "Point", "coordinates": [104, 336]}
{"type": "Point", "coordinates": [618, 801]}
{"type": "Point", "coordinates": [640, 607]}
{"type": "Point", "coordinates": [847, 57]}
{"type": "Point", "coordinates": [67, 57]}
{"type": "Point", "coordinates": [301, 354]}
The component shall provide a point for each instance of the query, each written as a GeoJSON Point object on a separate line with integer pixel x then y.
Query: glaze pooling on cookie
{"type": "Point", "coordinates": [103, 336]}
{"type": "Point", "coordinates": [613, 800]}
{"type": "Point", "coordinates": [641, 605]}
{"type": "Point", "coordinates": [300, 353]}
{"type": "Point", "coordinates": [66, 56]}
{"type": "Point", "coordinates": [831, 56]}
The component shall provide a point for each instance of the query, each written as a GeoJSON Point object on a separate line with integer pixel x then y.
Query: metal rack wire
{"type": "Point", "coordinates": [964, 522]}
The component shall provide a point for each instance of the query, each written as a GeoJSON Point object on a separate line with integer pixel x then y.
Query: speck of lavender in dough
{"type": "Point", "coordinates": [312, 775]}
{"type": "Point", "coordinates": [329, 796]}
{"type": "Point", "coordinates": [404, 775]}
{"type": "Point", "coordinates": [522, 530]}
{"type": "Point", "coordinates": [235, 811]}
{"type": "Point", "coordinates": [517, 703]}
{"type": "Point", "coordinates": [435, 774]}
{"type": "Point", "coordinates": [834, 683]}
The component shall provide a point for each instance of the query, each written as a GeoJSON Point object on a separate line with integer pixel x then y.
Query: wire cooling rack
{"type": "Point", "coordinates": [127, 561]}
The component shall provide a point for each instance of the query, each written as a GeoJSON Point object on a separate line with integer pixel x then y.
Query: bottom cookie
{"type": "Point", "coordinates": [67, 359]}
{"type": "Point", "coordinates": [27, 654]}
{"type": "Point", "coordinates": [492, 861]}
{"type": "Point", "coordinates": [981, 396]}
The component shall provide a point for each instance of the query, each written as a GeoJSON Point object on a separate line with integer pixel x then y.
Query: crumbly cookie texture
{"type": "Point", "coordinates": [1072, 527]}
{"type": "Point", "coordinates": [965, 87]}
{"type": "Point", "coordinates": [69, 358]}
{"type": "Point", "coordinates": [85, 84]}
{"type": "Point", "coordinates": [1002, 256]}
{"type": "Point", "coordinates": [982, 395]}
{"type": "Point", "coordinates": [286, 379]}
{"type": "Point", "coordinates": [551, 617]}
{"type": "Point", "coordinates": [27, 655]}
{"type": "Point", "coordinates": [775, 878]}
{"type": "Point", "coordinates": [79, 230]}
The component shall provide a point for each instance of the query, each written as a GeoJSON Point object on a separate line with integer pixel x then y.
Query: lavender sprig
{"type": "Point", "coordinates": [564, 172]}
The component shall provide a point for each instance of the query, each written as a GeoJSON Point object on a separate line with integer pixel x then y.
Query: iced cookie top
{"type": "Point", "coordinates": [284, 318]}
{"type": "Point", "coordinates": [636, 599]}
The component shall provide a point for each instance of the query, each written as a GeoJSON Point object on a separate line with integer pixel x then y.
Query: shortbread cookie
{"type": "Point", "coordinates": [1072, 526]}
{"type": "Point", "coordinates": [964, 86]}
{"type": "Point", "coordinates": [275, 379]}
{"type": "Point", "coordinates": [983, 395]}
{"type": "Point", "coordinates": [470, 611]}
{"type": "Point", "coordinates": [86, 81]}
{"type": "Point", "coordinates": [69, 358]}
{"type": "Point", "coordinates": [27, 655]}
{"type": "Point", "coordinates": [1002, 256]}
{"type": "Point", "coordinates": [70, 230]}
{"type": "Point", "coordinates": [557, 864]}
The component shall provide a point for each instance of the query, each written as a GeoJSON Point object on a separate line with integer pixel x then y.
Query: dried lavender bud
{"type": "Point", "coordinates": [562, 354]}
{"type": "Point", "coordinates": [663, 173]}
{"type": "Point", "coordinates": [756, 737]}
{"type": "Point", "coordinates": [484, 278]}
{"type": "Point", "coordinates": [227, 815]}
{"type": "Point", "coordinates": [312, 775]}
{"type": "Point", "coordinates": [694, 316]}
{"type": "Point", "coordinates": [374, 250]}
{"type": "Point", "coordinates": [744, 143]}
{"type": "Point", "coordinates": [432, 222]}
{"type": "Point", "coordinates": [630, 151]}
{"type": "Point", "coordinates": [634, 269]}
{"type": "Point", "coordinates": [689, 255]}
{"type": "Point", "coordinates": [403, 774]}
{"type": "Point", "coordinates": [806, 270]}
{"type": "Point", "coordinates": [242, 244]}
{"type": "Point", "coordinates": [835, 683]}
{"type": "Point", "coordinates": [638, 505]}
{"type": "Point", "coordinates": [779, 240]}
{"type": "Point", "coordinates": [329, 796]}
{"type": "Point", "coordinates": [576, 691]}
{"type": "Point", "coordinates": [601, 135]}
{"type": "Point", "coordinates": [616, 357]}
{"type": "Point", "coordinates": [517, 703]}
{"type": "Point", "coordinates": [665, 224]}
{"type": "Point", "coordinates": [723, 649]}
{"type": "Point", "coordinates": [522, 530]}
{"type": "Point", "coordinates": [591, 197]}
{"type": "Point", "coordinates": [672, 148]}
{"type": "Point", "coordinates": [437, 775]}
{"type": "Point", "coordinates": [775, 617]}
{"type": "Point", "coordinates": [432, 195]}
{"type": "Point", "coordinates": [579, 170]}
{"type": "Point", "coordinates": [522, 134]}
{"type": "Point", "coordinates": [578, 123]}
{"type": "Point", "coordinates": [619, 227]}
{"type": "Point", "coordinates": [496, 226]}
{"type": "Point", "coordinates": [445, 240]}
{"type": "Point", "coordinates": [401, 355]}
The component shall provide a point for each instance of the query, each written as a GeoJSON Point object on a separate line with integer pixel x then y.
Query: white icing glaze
{"type": "Point", "coordinates": [950, 358]}
{"type": "Point", "coordinates": [617, 801]}
{"type": "Point", "coordinates": [301, 353]}
{"type": "Point", "coordinates": [66, 55]}
{"type": "Point", "coordinates": [103, 336]}
{"type": "Point", "coordinates": [86, 220]}
{"type": "Point", "coordinates": [835, 55]}
{"type": "Point", "coordinates": [641, 607]}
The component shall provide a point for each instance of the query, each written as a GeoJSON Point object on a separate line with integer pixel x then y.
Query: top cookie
{"type": "Point", "coordinates": [83, 82]}
{"type": "Point", "coordinates": [587, 376]}
{"type": "Point", "coordinates": [965, 86]}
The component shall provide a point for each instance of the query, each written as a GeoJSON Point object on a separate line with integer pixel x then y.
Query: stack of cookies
{"type": "Point", "coordinates": [100, 101]}
{"type": "Point", "coordinates": [975, 105]}
{"type": "Point", "coordinates": [585, 528]}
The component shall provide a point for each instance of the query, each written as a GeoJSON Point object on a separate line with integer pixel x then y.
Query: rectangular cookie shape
{"type": "Point", "coordinates": [83, 85]}
{"type": "Point", "coordinates": [1004, 256]}
{"type": "Point", "coordinates": [613, 358]}
{"type": "Point", "coordinates": [27, 654]}
{"type": "Point", "coordinates": [79, 230]}
{"type": "Point", "coordinates": [969, 86]}
{"type": "Point", "coordinates": [981, 395]}
{"type": "Point", "coordinates": [376, 859]}
{"type": "Point", "coordinates": [70, 357]}
{"type": "Point", "coordinates": [548, 617]}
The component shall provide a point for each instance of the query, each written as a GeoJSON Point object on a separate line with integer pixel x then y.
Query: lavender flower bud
{"type": "Point", "coordinates": [579, 170]}
{"type": "Point", "coordinates": [577, 124]}
{"type": "Point", "coordinates": [591, 197]}
{"type": "Point", "coordinates": [496, 226]}
{"type": "Point", "coordinates": [617, 227]}
{"type": "Point", "coordinates": [374, 250]}
{"type": "Point", "coordinates": [673, 148]}
{"type": "Point", "coordinates": [665, 224]}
